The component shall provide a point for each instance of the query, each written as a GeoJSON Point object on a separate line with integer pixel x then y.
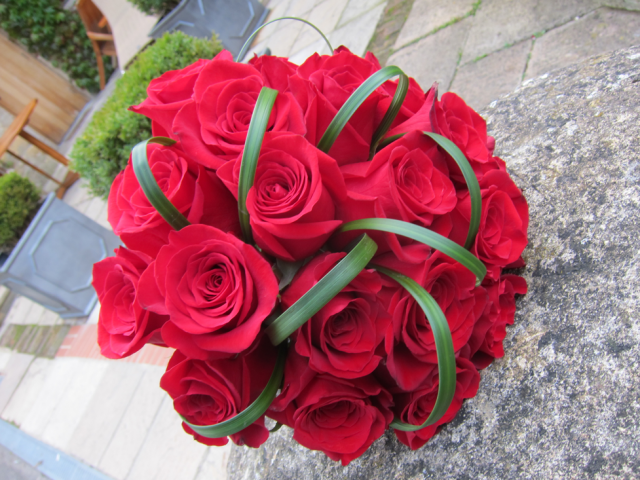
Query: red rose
{"type": "Point", "coordinates": [417, 111]}
{"type": "Point", "coordinates": [502, 234]}
{"type": "Point", "coordinates": [416, 406]}
{"type": "Point", "coordinates": [207, 393]}
{"type": "Point", "coordinates": [340, 417]}
{"type": "Point", "coordinates": [213, 126]}
{"type": "Point", "coordinates": [293, 199]}
{"type": "Point", "coordinates": [217, 290]}
{"type": "Point", "coordinates": [194, 191]}
{"type": "Point", "coordinates": [166, 95]}
{"type": "Point", "coordinates": [322, 85]}
{"type": "Point", "coordinates": [342, 338]}
{"type": "Point", "coordinates": [124, 326]}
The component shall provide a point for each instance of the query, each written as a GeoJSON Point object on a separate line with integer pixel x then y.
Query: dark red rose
{"type": "Point", "coordinates": [338, 416]}
{"type": "Point", "coordinates": [166, 95]}
{"type": "Point", "coordinates": [124, 326]}
{"type": "Point", "coordinates": [194, 191]}
{"type": "Point", "coordinates": [416, 406]}
{"type": "Point", "coordinates": [293, 200]}
{"type": "Point", "coordinates": [217, 290]}
{"type": "Point", "coordinates": [410, 344]}
{"type": "Point", "coordinates": [322, 85]}
{"type": "Point", "coordinates": [417, 111]}
{"type": "Point", "coordinates": [502, 234]}
{"type": "Point", "coordinates": [342, 338]}
{"type": "Point", "coordinates": [210, 392]}
{"type": "Point", "coordinates": [213, 126]}
{"type": "Point", "coordinates": [491, 329]}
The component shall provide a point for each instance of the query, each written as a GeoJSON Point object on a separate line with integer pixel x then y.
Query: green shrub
{"type": "Point", "coordinates": [56, 34]}
{"type": "Point", "coordinates": [151, 7]}
{"type": "Point", "coordinates": [19, 199]}
{"type": "Point", "coordinates": [103, 149]}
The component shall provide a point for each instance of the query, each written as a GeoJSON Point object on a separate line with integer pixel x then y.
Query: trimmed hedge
{"type": "Point", "coordinates": [151, 7]}
{"type": "Point", "coordinates": [103, 149]}
{"type": "Point", "coordinates": [19, 201]}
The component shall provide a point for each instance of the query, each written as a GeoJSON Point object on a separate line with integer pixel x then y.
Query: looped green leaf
{"type": "Point", "coordinates": [253, 412]}
{"type": "Point", "coordinates": [444, 349]}
{"type": "Point", "coordinates": [244, 48]}
{"type": "Point", "coordinates": [472, 184]}
{"type": "Point", "coordinates": [353, 102]}
{"type": "Point", "coordinates": [392, 113]}
{"type": "Point", "coordinates": [322, 292]}
{"type": "Point", "coordinates": [255, 135]}
{"type": "Point", "coordinates": [423, 235]}
{"type": "Point", "coordinates": [150, 187]}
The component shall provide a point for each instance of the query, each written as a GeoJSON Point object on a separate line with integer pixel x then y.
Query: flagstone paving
{"type": "Point", "coordinates": [112, 414]}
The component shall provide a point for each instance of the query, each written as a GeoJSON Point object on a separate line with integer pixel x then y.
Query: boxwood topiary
{"type": "Point", "coordinates": [19, 200]}
{"type": "Point", "coordinates": [103, 149]}
{"type": "Point", "coordinates": [151, 7]}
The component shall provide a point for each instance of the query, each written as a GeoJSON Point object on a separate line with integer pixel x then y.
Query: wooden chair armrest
{"type": "Point", "coordinates": [100, 36]}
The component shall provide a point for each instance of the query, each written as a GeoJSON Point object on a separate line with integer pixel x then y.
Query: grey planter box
{"type": "Point", "coordinates": [232, 20]}
{"type": "Point", "coordinates": [53, 261]}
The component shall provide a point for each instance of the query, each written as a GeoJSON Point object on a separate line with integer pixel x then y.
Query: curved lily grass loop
{"type": "Point", "coordinates": [472, 184]}
{"type": "Point", "coordinates": [423, 235]}
{"type": "Point", "coordinates": [255, 135]}
{"type": "Point", "coordinates": [353, 102]}
{"type": "Point", "coordinates": [392, 112]}
{"type": "Point", "coordinates": [150, 187]}
{"type": "Point", "coordinates": [322, 292]}
{"type": "Point", "coordinates": [253, 412]}
{"type": "Point", "coordinates": [444, 349]}
{"type": "Point", "coordinates": [244, 48]}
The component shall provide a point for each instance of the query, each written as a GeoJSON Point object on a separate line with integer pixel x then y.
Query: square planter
{"type": "Point", "coordinates": [53, 261]}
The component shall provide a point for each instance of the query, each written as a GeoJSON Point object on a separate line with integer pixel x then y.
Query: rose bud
{"type": "Point", "coordinates": [217, 290]}
{"type": "Point", "coordinates": [210, 392]}
{"type": "Point", "coordinates": [342, 338]}
{"type": "Point", "coordinates": [197, 193]}
{"type": "Point", "coordinates": [124, 327]}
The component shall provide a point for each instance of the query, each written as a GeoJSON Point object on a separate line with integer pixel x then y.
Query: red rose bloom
{"type": "Point", "coordinates": [217, 290]}
{"type": "Point", "coordinates": [124, 326]}
{"type": "Point", "coordinates": [340, 417]}
{"type": "Point", "coordinates": [342, 338]}
{"type": "Point", "coordinates": [194, 191]}
{"type": "Point", "coordinates": [207, 393]}
{"type": "Point", "coordinates": [293, 199]}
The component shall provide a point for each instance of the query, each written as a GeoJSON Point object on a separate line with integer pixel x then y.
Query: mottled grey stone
{"type": "Point", "coordinates": [563, 402]}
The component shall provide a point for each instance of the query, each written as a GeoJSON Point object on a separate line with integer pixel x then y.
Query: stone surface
{"type": "Point", "coordinates": [625, 4]}
{"type": "Point", "coordinates": [601, 31]}
{"type": "Point", "coordinates": [428, 15]}
{"type": "Point", "coordinates": [563, 402]}
{"type": "Point", "coordinates": [16, 366]}
{"type": "Point", "coordinates": [503, 22]}
{"type": "Point", "coordinates": [23, 399]}
{"type": "Point", "coordinates": [434, 58]}
{"type": "Point", "coordinates": [325, 17]}
{"type": "Point", "coordinates": [356, 34]}
{"type": "Point", "coordinates": [14, 468]}
{"type": "Point", "coordinates": [355, 8]}
{"type": "Point", "coordinates": [493, 76]}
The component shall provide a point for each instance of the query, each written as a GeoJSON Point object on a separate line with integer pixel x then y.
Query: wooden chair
{"type": "Point", "coordinates": [99, 32]}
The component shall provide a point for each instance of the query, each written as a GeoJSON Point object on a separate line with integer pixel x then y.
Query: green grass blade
{"type": "Point", "coordinates": [390, 140]}
{"type": "Point", "coordinates": [255, 135]}
{"type": "Point", "coordinates": [352, 104]}
{"type": "Point", "coordinates": [244, 48]}
{"type": "Point", "coordinates": [444, 349]}
{"type": "Point", "coordinates": [472, 184]}
{"type": "Point", "coordinates": [423, 235]}
{"type": "Point", "coordinates": [254, 411]}
{"type": "Point", "coordinates": [323, 291]}
{"type": "Point", "coordinates": [150, 187]}
{"type": "Point", "coordinates": [392, 112]}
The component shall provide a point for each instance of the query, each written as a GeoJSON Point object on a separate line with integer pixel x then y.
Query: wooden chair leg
{"type": "Point", "coordinates": [45, 148]}
{"type": "Point", "coordinates": [103, 80]}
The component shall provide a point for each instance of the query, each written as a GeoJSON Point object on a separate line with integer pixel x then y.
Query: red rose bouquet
{"type": "Point", "coordinates": [320, 244]}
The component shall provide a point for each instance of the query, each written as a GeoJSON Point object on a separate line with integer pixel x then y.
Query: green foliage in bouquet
{"type": "Point", "coordinates": [103, 150]}
{"type": "Point", "coordinates": [152, 7]}
{"type": "Point", "coordinates": [19, 199]}
{"type": "Point", "coordinates": [56, 34]}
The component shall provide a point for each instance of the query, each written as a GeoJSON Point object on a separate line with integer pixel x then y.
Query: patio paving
{"type": "Point", "coordinates": [112, 415]}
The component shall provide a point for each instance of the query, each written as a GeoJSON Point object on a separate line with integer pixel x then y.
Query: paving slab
{"type": "Point", "coordinates": [214, 466]}
{"type": "Point", "coordinates": [428, 15]}
{"type": "Point", "coordinates": [504, 22]}
{"type": "Point", "coordinates": [19, 312]}
{"type": "Point", "coordinates": [356, 8]}
{"type": "Point", "coordinates": [15, 368]}
{"type": "Point", "coordinates": [5, 355]}
{"type": "Point", "coordinates": [24, 398]}
{"type": "Point", "coordinates": [325, 17]}
{"type": "Point", "coordinates": [598, 32]}
{"type": "Point", "coordinates": [132, 430]}
{"type": "Point", "coordinates": [299, 8]}
{"type": "Point", "coordinates": [356, 34]}
{"type": "Point", "coordinates": [434, 58]}
{"type": "Point", "coordinates": [282, 41]}
{"type": "Point", "coordinates": [276, 10]}
{"type": "Point", "coordinates": [625, 4]}
{"type": "Point", "coordinates": [478, 83]}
